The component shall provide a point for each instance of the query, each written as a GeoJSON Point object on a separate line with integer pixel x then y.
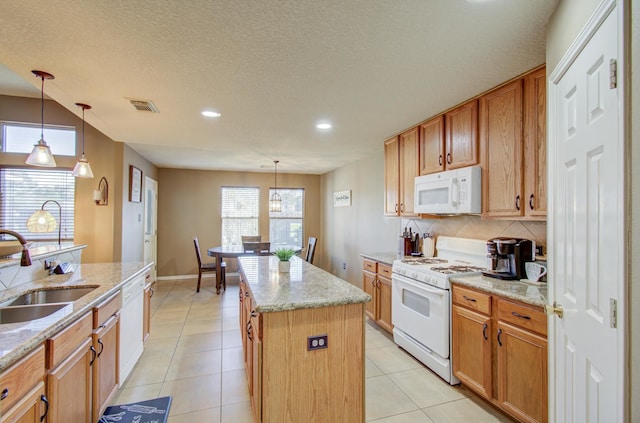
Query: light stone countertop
{"type": "Point", "coordinates": [384, 257]}
{"type": "Point", "coordinates": [305, 286]}
{"type": "Point", "coordinates": [16, 339]}
{"type": "Point", "coordinates": [521, 291]}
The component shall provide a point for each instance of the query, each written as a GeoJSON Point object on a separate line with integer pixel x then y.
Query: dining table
{"type": "Point", "coordinates": [235, 251]}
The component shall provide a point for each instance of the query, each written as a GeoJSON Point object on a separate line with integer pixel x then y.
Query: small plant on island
{"type": "Point", "coordinates": [284, 254]}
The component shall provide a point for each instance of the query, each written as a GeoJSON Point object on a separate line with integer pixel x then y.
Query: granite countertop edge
{"type": "Point", "coordinates": [535, 295]}
{"type": "Point", "coordinates": [316, 288]}
{"type": "Point", "coordinates": [80, 307]}
{"type": "Point", "coordinates": [381, 257]}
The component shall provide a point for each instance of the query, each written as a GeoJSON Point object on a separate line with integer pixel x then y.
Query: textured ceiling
{"type": "Point", "coordinates": [273, 68]}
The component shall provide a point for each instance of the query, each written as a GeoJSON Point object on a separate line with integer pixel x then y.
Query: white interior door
{"type": "Point", "coordinates": [586, 231]}
{"type": "Point", "coordinates": [151, 223]}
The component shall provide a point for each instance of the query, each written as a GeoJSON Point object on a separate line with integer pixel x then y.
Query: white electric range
{"type": "Point", "coordinates": [421, 300]}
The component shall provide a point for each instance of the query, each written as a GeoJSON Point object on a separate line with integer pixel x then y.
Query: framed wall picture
{"type": "Point", "coordinates": [135, 184]}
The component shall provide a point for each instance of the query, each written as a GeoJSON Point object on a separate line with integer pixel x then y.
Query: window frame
{"type": "Point", "coordinates": [282, 216]}
{"type": "Point", "coordinates": [231, 241]}
{"type": "Point", "coordinates": [53, 142]}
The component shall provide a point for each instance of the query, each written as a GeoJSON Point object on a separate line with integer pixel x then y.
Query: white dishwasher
{"type": "Point", "coordinates": [131, 330]}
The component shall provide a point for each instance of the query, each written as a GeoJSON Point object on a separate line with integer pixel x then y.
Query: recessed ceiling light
{"type": "Point", "coordinates": [210, 113]}
{"type": "Point", "coordinates": [323, 126]}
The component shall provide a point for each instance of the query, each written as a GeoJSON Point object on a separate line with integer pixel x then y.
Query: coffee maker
{"type": "Point", "coordinates": [506, 258]}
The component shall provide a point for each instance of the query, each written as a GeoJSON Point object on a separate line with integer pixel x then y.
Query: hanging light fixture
{"type": "Point", "coordinates": [83, 168]}
{"type": "Point", "coordinates": [275, 202]}
{"type": "Point", "coordinates": [41, 154]}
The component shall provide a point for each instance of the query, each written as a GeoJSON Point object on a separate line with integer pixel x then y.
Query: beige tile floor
{"type": "Point", "coordinates": [194, 353]}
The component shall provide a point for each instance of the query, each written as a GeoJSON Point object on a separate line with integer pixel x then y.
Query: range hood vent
{"type": "Point", "coordinates": [144, 106]}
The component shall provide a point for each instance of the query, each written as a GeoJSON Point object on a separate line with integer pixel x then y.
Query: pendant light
{"type": "Point", "coordinates": [41, 154]}
{"type": "Point", "coordinates": [275, 202]}
{"type": "Point", "coordinates": [83, 168]}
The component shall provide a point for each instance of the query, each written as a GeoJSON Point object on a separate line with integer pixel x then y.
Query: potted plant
{"type": "Point", "coordinates": [284, 255]}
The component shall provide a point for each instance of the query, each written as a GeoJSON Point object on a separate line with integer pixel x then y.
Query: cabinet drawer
{"type": "Point", "coordinates": [524, 316]}
{"type": "Point", "coordinates": [384, 270]}
{"type": "Point", "coordinates": [64, 343]}
{"type": "Point", "coordinates": [18, 379]}
{"type": "Point", "coordinates": [370, 265]}
{"type": "Point", "coordinates": [471, 299]}
{"type": "Point", "coordinates": [106, 309]}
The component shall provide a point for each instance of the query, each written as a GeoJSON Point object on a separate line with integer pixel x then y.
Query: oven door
{"type": "Point", "coordinates": [423, 312]}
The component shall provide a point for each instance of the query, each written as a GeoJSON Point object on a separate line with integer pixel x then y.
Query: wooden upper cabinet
{"type": "Point", "coordinates": [409, 154]}
{"type": "Point", "coordinates": [535, 144]}
{"type": "Point", "coordinates": [461, 126]}
{"type": "Point", "coordinates": [391, 176]}
{"type": "Point", "coordinates": [502, 151]}
{"type": "Point", "coordinates": [432, 146]}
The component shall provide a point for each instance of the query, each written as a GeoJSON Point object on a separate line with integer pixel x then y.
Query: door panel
{"type": "Point", "coordinates": [151, 223]}
{"type": "Point", "coordinates": [588, 254]}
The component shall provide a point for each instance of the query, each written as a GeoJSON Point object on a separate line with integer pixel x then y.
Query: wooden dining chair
{"type": "Point", "coordinates": [251, 238]}
{"type": "Point", "coordinates": [258, 248]}
{"type": "Point", "coordinates": [208, 267]}
{"type": "Point", "coordinates": [311, 249]}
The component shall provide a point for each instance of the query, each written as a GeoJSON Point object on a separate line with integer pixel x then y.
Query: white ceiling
{"type": "Point", "coordinates": [273, 68]}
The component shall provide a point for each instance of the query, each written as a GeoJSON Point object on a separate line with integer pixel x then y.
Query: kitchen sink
{"type": "Point", "coordinates": [50, 295]}
{"type": "Point", "coordinates": [27, 313]}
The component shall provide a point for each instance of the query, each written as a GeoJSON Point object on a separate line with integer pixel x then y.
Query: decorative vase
{"type": "Point", "coordinates": [283, 266]}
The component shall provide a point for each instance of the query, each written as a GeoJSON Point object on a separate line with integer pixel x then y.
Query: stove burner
{"type": "Point", "coordinates": [424, 260]}
{"type": "Point", "coordinates": [453, 269]}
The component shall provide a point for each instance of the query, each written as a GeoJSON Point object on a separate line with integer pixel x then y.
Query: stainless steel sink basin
{"type": "Point", "coordinates": [50, 295]}
{"type": "Point", "coordinates": [27, 313]}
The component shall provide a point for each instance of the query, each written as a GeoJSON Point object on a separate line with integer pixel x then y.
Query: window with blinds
{"type": "Point", "coordinates": [24, 191]}
{"type": "Point", "coordinates": [240, 213]}
{"type": "Point", "coordinates": [287, 227]}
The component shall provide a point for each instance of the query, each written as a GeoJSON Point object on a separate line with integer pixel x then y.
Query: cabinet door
{"type": "Point", "coordinates": [462, 136]}
{"type": "Point", "coordinates": [30, 409]}
{"type": "Point", "coordinates": [472, 349]}
{"type": "Point", "coordinates": [535, 144]}
{"type": "Point", "coordinates": [69, 387]}
{"type": "Point", "coordinates": [432, 141]}
{"type": "Point", "coordinates": [369, 286]}
{"type": "Point", "coordinates": [409, 157]}
{"type": "Point", "coordinates": [501, 144]}
{"type": "Point", "coordinates": [522, 373]}
{"type": "Point", "coordinates": [391, 176]}
{"type": "Point", "coordinates": [256, 368]}
{"type": "Point", "coordinates": [384, 301]}
{"type": "Point", "coordinates": [105, 367]}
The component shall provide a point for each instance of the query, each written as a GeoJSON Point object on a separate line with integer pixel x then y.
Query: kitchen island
{"type": "Point", "coordinates": [303, 339]}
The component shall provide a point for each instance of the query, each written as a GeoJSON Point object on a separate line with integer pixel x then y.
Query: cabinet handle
{"type": "Point", "coordinates": [249, 331]}
{"type": "Point", "coordinates": [522, 316]}
{"type": "Point", "coordinates": [5, 393]}
{"type": "Point", "coordinates": [517, 202]}
{"type": "Point", "coordinates": [473, 300]}
{"type": "Point", "coordinates": [401, 208]}
{"type": "Point", "coordinates": [101, 347]}
{"type": "Point", "coordinates": [150, 292]}
{"type": "Point", "coordinates": [448, 158]}
{"type": "Point", "coordinates": [44, 399]}
{"type": "Point", "coordinates": [499, 340]}
{"type": "Point", "coordinates": [440, 160]}
{"type": "Point", "coordinates": [95, 355]}
{"type": "Point", "coordinates": [531, 201]}
{"type": "Point", "coordinates": [246, 293]}
{"type": "Point", "coordinates": [484, 331]}
{"type": "Point", "coordinates": [396, 208]}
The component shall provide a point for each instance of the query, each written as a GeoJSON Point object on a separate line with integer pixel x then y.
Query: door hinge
{"type": "Point", "coordinates": [613, 313]}
{"type": "Point", "coordinates": [613, 74]}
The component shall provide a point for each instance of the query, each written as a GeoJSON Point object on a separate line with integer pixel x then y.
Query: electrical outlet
{"type": "Point", "coordinates": [317, 342]}
{"type": "Point", "coordinates": [344, 266]}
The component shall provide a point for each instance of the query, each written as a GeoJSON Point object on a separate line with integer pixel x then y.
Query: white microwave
{"type": "Point", "coordinates": [451, 192]}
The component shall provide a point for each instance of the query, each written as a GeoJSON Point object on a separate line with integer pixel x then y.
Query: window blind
{"type": "Point", "coordinates": [287, 227]}
{"type": "Point", "coordinates": [23, 191]}
{"type": "Point", "coordinates": [240, 213]}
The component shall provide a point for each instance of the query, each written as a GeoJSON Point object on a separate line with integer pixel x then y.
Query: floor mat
{"type": "Point", "coordinates": [150, 411]}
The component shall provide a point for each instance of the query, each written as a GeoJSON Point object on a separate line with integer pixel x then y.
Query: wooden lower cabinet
{"type": "Point", "coordinates": [287, 382]}
{"type": "Point", "coordinates": [376, 281]}
{"type": "Point", "coordinates": [500, 352]}
{"type": "Point", "coordinates": [32, 408]}
{"type": "Point", "coordinates": [105, 370]}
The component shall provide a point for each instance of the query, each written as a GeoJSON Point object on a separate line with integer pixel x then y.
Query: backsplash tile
{"type": "Point", "coordinates": [15, 275]}
{"type": "Point", "coordinates": [476, 228]}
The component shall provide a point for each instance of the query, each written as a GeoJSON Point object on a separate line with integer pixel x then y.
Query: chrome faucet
{"type": "Point", "coordinates": [25, 259]}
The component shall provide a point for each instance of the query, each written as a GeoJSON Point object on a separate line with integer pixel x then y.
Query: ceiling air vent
{"type": "Point", "coordinates": [144, 106]}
